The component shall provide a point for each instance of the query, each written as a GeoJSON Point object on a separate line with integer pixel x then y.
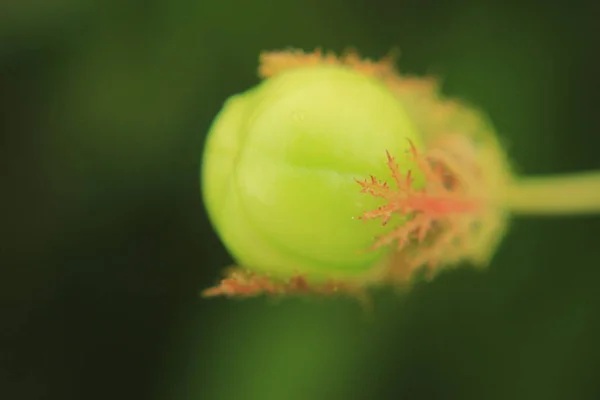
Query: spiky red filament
{"type": "Point", "coordinates": [243, 283]}
{"type": "Point", "coordinates": [442, 211]}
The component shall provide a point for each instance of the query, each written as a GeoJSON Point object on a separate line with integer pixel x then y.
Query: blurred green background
{"type": "Point", "coordinates": [104, 108]}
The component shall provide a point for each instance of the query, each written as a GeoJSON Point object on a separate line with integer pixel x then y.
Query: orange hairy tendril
{"type": "Point", "coordinates": [440, 217]}
{"type": "Point", "coordinates": [243, 283]}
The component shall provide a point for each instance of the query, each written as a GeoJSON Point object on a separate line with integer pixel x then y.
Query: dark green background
{"type": "Point", "coordinates": [104, 107]}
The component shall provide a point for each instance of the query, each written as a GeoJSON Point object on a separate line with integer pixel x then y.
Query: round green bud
{"type": "Point", "coordinates": [280, 167]}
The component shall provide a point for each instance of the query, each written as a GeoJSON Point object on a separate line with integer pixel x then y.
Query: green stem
{"type": "Point", "coordinates": [570, 194]}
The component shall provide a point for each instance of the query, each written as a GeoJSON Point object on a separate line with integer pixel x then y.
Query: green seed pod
{"type": "Point", "coordinates": [280, 167]}
{"type": "Point", "coordinates": [284, 179]}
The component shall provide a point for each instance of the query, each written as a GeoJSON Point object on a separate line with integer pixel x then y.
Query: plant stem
{"type": "Point", "coordinates": [569, 194]}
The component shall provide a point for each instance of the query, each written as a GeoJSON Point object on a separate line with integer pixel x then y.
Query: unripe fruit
{"type": "Point", "coordinates": [280, 167]}
{"type": "Point", "coordinates": [297, 185]}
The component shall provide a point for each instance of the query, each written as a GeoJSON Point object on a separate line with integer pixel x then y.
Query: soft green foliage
{"type": "Point", "coordinates": [280, 166]}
